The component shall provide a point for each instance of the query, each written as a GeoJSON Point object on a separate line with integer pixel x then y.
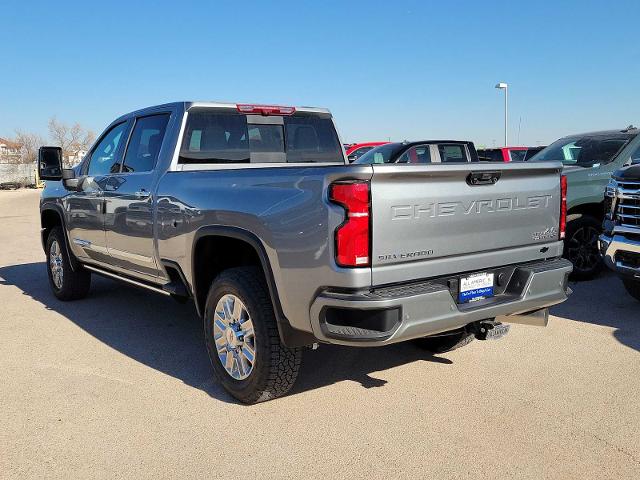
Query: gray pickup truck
{"type": "Point", "coordinates": [254, 213]}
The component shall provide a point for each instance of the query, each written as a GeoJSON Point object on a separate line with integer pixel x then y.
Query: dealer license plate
{"type": "Point", "coordinates": [475, 287]}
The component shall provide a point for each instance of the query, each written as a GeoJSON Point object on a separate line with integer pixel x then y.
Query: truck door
{"type": "Point", "coordinates": [84, 207]}
{"type": "Point", "coordinates": [129, 204]}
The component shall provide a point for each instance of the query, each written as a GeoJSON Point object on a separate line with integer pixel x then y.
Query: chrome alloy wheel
{"type": "Point", "coordinates": [55, 264]}
{"type": "Point", "coordinates": [234, 337]}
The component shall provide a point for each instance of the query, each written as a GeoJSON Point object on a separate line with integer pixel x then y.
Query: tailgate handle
{"type": "Point", "coordinates": [483, 178]}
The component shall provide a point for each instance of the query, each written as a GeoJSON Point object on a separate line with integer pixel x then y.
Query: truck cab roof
{"type": "Point", "coordinates": [189, 104]}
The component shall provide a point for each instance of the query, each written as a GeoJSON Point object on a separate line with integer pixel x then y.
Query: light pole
{"type": "Point", "coordinates": [505, 87]}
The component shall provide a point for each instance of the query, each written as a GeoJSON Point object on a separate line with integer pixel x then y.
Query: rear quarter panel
{"type": "Point", "coordinates": [286, 208]}
{"type": "Point", "coordinates": [586, 185]}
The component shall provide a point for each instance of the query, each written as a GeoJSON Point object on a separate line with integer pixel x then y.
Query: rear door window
{"type": "Point", "coordinates": [144, 146]}
{"type": "Point", "coordinates": [216, 137]}
{"type": "Point", "coordinates": [452, 153]}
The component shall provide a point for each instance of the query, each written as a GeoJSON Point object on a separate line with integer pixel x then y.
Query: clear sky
{"type": "Point", "coordinates": [388, 69]}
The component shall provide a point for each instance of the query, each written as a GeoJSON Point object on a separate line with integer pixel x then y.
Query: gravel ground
{"type": "Point", "coordinates": [119, 385]}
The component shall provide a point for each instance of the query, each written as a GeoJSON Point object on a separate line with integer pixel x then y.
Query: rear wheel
{"type": "Point", "coordinates": [445, 342]}
{"type": "Point", "coordinates": [242, 338]}
{"type": "Point", "coordinates": [632, 287]}
{"type": "Point", "coordinates": [581, 247]}
{"type": "Point", "coordinates": [66, 283]}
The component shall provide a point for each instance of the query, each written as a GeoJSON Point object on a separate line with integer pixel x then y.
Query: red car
{"type": "Point", "coordinates": [356, 150]}
{"type": "Point", "coordinates": [507, 154]}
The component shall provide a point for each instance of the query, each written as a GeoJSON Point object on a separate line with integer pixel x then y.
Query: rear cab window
{"type": "Point", "coordinates": [490, 155]}
{"type": "Point", "coordinates": [584, 150]}
{"type": "Point", "coordinates": [358, 153]}
{"type": "Point", "coordinates": [215, 136]}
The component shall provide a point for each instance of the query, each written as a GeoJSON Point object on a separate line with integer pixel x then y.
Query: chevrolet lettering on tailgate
{"type": "Point", "coordinates": [445, 209]}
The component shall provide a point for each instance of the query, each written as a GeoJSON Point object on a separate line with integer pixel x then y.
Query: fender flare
{"type": "Point", "coordinates": [291, 337]}
{"type": "Point", "coordinates": [54, 207]}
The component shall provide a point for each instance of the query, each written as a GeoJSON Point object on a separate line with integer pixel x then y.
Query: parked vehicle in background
{"type": "Point", "coordinates": [531, 151]}
{"type": "Point", "coordinates": [253, 212]}
{"type": "Point", "coordinates": [426, 151]}
{"type": "Point", "coordinates": [589, 160]}
{"type": "Point", "coordinates": [620, 242]}
{"type": "Point", "coordinates": [507, 154]}
{"type": "Point", "coordinates": [356, 150]}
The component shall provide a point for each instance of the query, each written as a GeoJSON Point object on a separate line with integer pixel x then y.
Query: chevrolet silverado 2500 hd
{"type": "Point", "coordinates": [254, 213]}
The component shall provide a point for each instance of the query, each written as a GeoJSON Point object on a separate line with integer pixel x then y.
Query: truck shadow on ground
{"type": "Point", "coordinates": [168, 337]}
{"type": "Point", "coordinates": [604, 301]}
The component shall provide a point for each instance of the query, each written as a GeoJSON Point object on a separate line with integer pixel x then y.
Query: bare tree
{"type": "Point", "coordinates": [72, 139]}
{"type": "Point", "coordinates": [29, 142]}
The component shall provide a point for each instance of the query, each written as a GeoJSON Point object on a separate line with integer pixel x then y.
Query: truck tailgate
{"type": "Point", "coordinates": [440, 213]}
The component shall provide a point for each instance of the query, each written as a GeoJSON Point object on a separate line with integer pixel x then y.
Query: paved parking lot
{"type": "Point", "coordinates": [119, 385]}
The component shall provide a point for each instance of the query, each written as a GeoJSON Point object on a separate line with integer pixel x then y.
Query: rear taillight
{"type": "Point", "coordinates": [353, 235]}
{"type": "Point", "coordinates": [265, 109]}
{"type": "Point", "coordinates": [563, 206]}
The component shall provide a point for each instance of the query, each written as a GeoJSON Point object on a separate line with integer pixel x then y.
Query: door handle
{"type": "Point", "coordinates": [142, 193]}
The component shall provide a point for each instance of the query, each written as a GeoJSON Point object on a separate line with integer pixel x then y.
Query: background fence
{"type": "Point", "coordinates": [17, 174]}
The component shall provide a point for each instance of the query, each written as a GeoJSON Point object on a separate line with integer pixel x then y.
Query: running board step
{"type": "Point", "coordinates": [130, 281]}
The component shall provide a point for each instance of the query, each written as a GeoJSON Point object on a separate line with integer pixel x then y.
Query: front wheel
{"type": "Point", "coordinates": [632, 287]}
{"type": "Point", "coordinates": [66, 283]}
{"type": "Point", "coordinates": [242, 338]}
{"type": "Point", "coordinates": [581, 247]}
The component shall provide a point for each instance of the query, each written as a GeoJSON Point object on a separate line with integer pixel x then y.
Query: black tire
{"type": "Point", "coordinates": [445, 342]}
{"type": "Point", "coordinates": [632, 287]}
{"type": "Point", "coordinates": [276, 367]}
{"type": "Point", "coordinates": [581, 247]}
{"type": "Point", "coordinates": [74, 284]}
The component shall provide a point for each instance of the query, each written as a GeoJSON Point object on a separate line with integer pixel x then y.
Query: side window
{"type": "Point", "coordinates": [635, 156]}
{"type": "Point", "coordinates": [517, 155]}
{"type": "Point", "coordinates": [416, 154]}
{"type": "Point", "coordinates": [144, 146]}
{"type": "Point", "coordinates": [452, 153]}
{"type": "Point", "coordinates": [103, 159]}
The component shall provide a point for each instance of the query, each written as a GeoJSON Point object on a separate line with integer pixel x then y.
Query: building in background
{"type": "Point", "coordinates": [10, 151]}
